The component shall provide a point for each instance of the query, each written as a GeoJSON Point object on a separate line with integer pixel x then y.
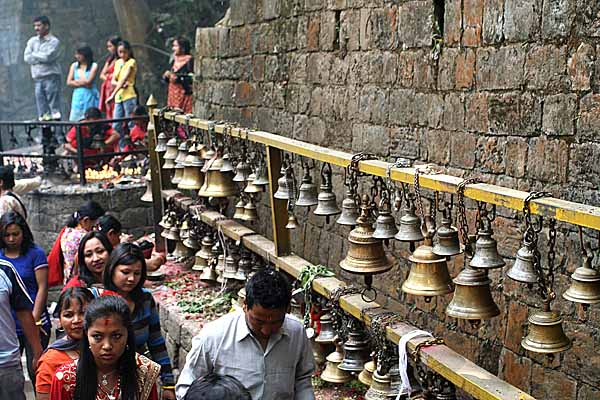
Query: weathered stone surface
{"type": "Point", "coordinates": [500, 68]}
{"type": "Point", "coordinates": [515, 370]}
{"type": "Point", "coordinates": [454, 112]}
{"type": "Point", "coordinates": [463, 147]}
{"type": "Point", "coordinates": [452, 22]}
{"type": "Point", "coordinates": [490, 153]}
{"type": "Point", "coordinates": [515, 114]}
{"type": "Point", "coordinates": [472, 22]}
{"type": "Point", "coordinates": [546, 383]}
{"type": "Point", "coordinates": [415, 23]}
{"type": "Point", "coordinates": [588, 123]}
{"type": "Point", "coordinates": [557, 18]}
{"type": "Point", "coordinates": [584, 165]}
{"type": "Point", "coordinates": [521, 19]}
{"type": "Point", "coordinates": [545, 68]}
{"type": "Point", "coordinates": [559, 114]}
{"type": "Point", "coordinates": [581, 67]}
{"type": "Point", "coordinates": [548, 159]}
{"type": "Point", "coordinates": [493, 21]}
{"type": "Point", "coordinates": [516, 156]}
{"type": "Point", "coordinates": [438, 146]}
{"type": "Point", "coordinates": [476, 116]}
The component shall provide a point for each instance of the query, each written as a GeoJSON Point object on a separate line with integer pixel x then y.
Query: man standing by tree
{"type": "Point", "coordinates": [42, 53]}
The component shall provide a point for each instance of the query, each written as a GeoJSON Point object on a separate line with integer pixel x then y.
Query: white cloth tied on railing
{"type": "Point", "coordinates": [403, 360]}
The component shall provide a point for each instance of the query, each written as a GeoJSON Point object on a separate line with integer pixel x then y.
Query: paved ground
{"type": "Point", "coordinates": [28, 386]}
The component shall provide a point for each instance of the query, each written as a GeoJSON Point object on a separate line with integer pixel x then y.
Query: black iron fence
{"type": "Point", "coordinates": [53, 135]}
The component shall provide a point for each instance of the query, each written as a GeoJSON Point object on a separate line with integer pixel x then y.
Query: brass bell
{"type": "Point", "coordinates": [181, 251]}
{"type": "Point", "coordinates": [332, 373]}
{"type": "Point", "coordinates": [239, 209]}
{"type": "Point", "coordinates": [585, 287]}
{"type": "Point", "coordinates": [356, 350]}
{"type": "Point", "coordinates": [307, 193]}
{"type": "Point", "coordinates": [366, 375]}
{"type": "Point", "coordinates": [472, 297]}
{"type": "Point", "coordinates": [199, 262]}
{"type": "Point", "coordinates": [326, 335]}
{"type": "Point", "coordinates": [227, 165]}
{"type": "Point", "coordinates": [250, 211]}
{"type": "Point", "coordinates": [209, 275]}
{"type": "Point", "coordinates": [292, 222]}
{"type": "Point", "coordinates": [191, 242]}
{"type": "Point", "coordinates": [428, 275]}
{"type": "Point", "coordinates": [241, 294]}
{"type": "Point", "coordinates": [448, 243]}
{"type": "Point", "coordinates": [161, 143]}
{"type": "Point", "coordinates": [217, 183]}
{"type": "Point", "coordinates": [231, 267]}
{"type": "Point", "coordinates": [165, 221]}
{"type": "Point", "coordinates": [172, 233]}
{"type": "Point", "coordinates": [522, 269]}
{"type": "Point", "coordinates": [385, 225]}
{"type": "Point", "coordinates": [193, 178]}
{"type": "Point", "coordinates": [381, 386]}
{"type": "Point", "coordinates": [296, 309]}
{"type": "Point", "coordinates": [170, 154]}
{"type": "Point", "coordinates": [326, 205]}
{"type": "Point", "coordinates": [244, 267]}
{"type": "Point", "coordinates": [220, 267]}
{"type": "Point", "coordinates": [282, 192]}
{"type": "Point", "coordinates": [318, 352]}
{"type": "Point", "coordinates": [182, 152]}
{"type": "Point", "coordinates": [545, 334]}
{"type": "Point", "coordinates": [242, 171]}
{"type": "Point", "coordinates": [366, 255]}
{"type": "Point", "coordinates": [349, 210]}
{"type": "Point", "coordinates": [206, 248]}
{"type": "Point", "coordinates": [409, 229]}
{"type": "Point", "coordinates": [486, 250]}
{"type": "Point", "coordinates": [184, 230]}
{"type": "Point", "coordinates": [147, 196]}
{"type": "Point", "coordinates": [179, 168]}
{"type": "Point", "coordinates": [251, 187]}
{"type": "Point", "coordinates": [261, 180]}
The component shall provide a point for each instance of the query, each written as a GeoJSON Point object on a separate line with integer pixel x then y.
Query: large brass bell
{"type": "Point", "coordinates": [448, 243]}
{"type": "Point", "coordinates": [217, 183]}
{"type": "Point", "coordinates": [326, 335]}
{"type": "Point", "coordinates": [244, 267]}
{"type": "Point", "coordinates": [349, 210]}
{"type": "Point", "coordinates": [366, 255]}
{"type": "Point", "coordinates": [381, 386]}
{"type": "Point", "coordinates": [332, 373]}
{"type": "Point", "coordinates": [366, 375]}
{"type": "Point", "coordinates": [326, 204]}
{"type": "Point", "coordinates": [170, 154]}
{"type": "Point", "coordinates": [191, 242]}
{"type": "Point", "coordinates": [231, 267]}
{"type": "Point", "coordinates": [385, 225]}
{"type": "Point", "coordinates": [585, 287]}
{"type": "Point", "coordinates": [184, 229]}
{"type": "Point", "coordinates": [356, 350]}
{"type": "Point", "coordinates": [147, 196]}
{"type": "Point", "coordinates": [486, 254]}
{"type": "Point", "coordinates": [428, 275]}
{"type": "Point", "coordinates": [307, 193]}
{"type": "Point", "coordinates": [250, 211]}
{"type": "Point", "coordinates": [242, 171]}
{"type": "Point", "coordinates": [282, 192]}
{"type": "Point", "coordinates": [409, 229]}
{"type": "Point", "coordinates": [545, 333]}
{"type": "Point", "coordinates": [522, 269]}
{"type": "Point", "coordinates": [472, 297]}
{"type": "Point", "coordinates": [239, 209]}
{"type": "Point", "coordinates": [192, 173]}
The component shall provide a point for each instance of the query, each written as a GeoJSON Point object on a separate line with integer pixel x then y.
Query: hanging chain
{"type": "Point", "coordinates": [339, 317]}
{"type": "Point", "coordinates": [463, 225]}
{"type": "Point", "coordinates": [385, 350]}
{"type": "Point", "coordinates": [353, 173]}
{"type": "Point", "coordinates": [292, 185]}
{"type": "Point", "coordinates": [307, 275]}
{"type": "Point", "coordinates": [551, 255]}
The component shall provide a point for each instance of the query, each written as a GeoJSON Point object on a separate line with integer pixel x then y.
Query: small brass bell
{"type": "Point", "coordinates": [184, 230]}
{"type": "Point", "coordinates": [261, 180]}
{"type": "Point", "coordinates": [241, 294]}
{"type": "Point", "coordinates": [193, 178]}
{"type": "Point", "coordinates": [472, 297]}
{"type": "Point", "coordinates": [522, 269]}
{"type": "Point", "coordinates": [161, 143]}
{"type": "Point", "coordinates": [409, 229]}
{"type": "Point", "coordinates": [448, 243]}
{"type": "Point", "coordinates": [165, 222]}
{"type": "Point", "coordinates": [244, 267]}
{"type": "Point", "coordinates": [227, 166]}
{"type": "Point", "coordinates": [349, 210]}
{"type": "Point", "coordinates": [585, 287]}
{"type": "Point", "coordinates": [332, 373]}
{"type": "Point", "coordinates": [356, 350]}
{"type": "Point", "coordinates": [191, 242]}
{"type": "Point", "coordinates": [251, 187]}
{"type": "Point", "coordinates": [231, 268]}
{"type": "Point", "coordinates": [366, 375]}
{"type": "Point", "coordinates": [250, 211]}
{"type": "Point", "coordinates": [220, 267]}
{"type": "Point", "coordinates": [545, 333]}
{"type": "Point", "coordinates": [318, 352]}
{"type": "Point", "coordinates": [428, 275]}
{"type": "Point", "coordinates": [216, 183]}
{"type": "Point", "coordinates": [199, 262]}
{"type": "Point", "coordinates": [326, 204]}
{"type": "Point", "coordinates": [181, 251]}
{"type": "Point", "coordinates": [182, 152]}
{"type": "Point", "coordinates": [239, 209]}
{"type": "Point", "coordinates": [209, 275]}
{"type": "Point", "coordinates": [172, 233]}
{"type": "Point", "coordinates": [326, 335]}
{"type": "Point", "coordinates": [366, 255]}
{"type": "Point", "coordinates": [486, 251]}
{"type": "Point", "coordinates": [385, 225]}
{"type": "Point", "coordinates": [283, 192]}
{"type": "Point", "coordinates": [242, 171]}
{"type": "Point", "coordinates": [179, 169]}
{"type": "Point", "coordinates": [292, 222]}
{"type": "Point", "coordinates": [381, 386]}
{"type": "Point", "coordinates": [147, 196]}
{"type": "Point", "coordinates": [307, 193]}
{"type": "Point", "coordinates": [170, 154]}
{"type": "Point", "coordinates": [206, 248]}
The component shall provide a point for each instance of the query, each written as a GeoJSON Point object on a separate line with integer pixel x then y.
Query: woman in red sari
{"type": "Point", "coordinates": [180, 76]}
{"type": "Point", "coordinates": [106, 76]}
{"type": "Point", "coordinates": [108, 367]}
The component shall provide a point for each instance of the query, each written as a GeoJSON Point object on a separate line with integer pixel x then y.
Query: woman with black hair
{"type": "Point", "coordinates": [82, 76]}
{"type": "Point", "coordinates": [108, 367]}
{"type": "Point", "coordinates": [69, 310]}
{"type": "Point", "coordinates": [106, 76]}
{"type": "Point", "coordinates": [180, 76]}
{"type": "Point", "coordinates": [92, 256]}
{"type": "Point", "coordinates": [17, 247]}
{"type": "Point", "coordinates": [126, 274]}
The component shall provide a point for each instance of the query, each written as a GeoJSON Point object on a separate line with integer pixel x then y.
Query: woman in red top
{"type": "Point", "coordinates": [92, 256]}
{"type": "Point", "coordinates": [180, 76]}
{"type": "Point", "coordinates": [106, 88]}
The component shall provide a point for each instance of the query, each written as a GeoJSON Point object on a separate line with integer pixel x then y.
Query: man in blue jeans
{"type": "Point", "coordinates": [42, 53]}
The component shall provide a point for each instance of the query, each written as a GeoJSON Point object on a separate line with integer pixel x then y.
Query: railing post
{"type": "Point", "coordinates": [281, 235]}
{"type": "Point", "coordinates": [80, 159]}
{"type": "Point", "coordinates": [157, 203]}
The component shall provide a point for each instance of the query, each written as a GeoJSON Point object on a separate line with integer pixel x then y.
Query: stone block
{"type": "Point", "coordinates": [584, 165]}
{"type": "Point", "coordinates": [515, 370]}
{"type": "Point", "coordinates": [515, 114]}
{"type": "Point", "coordinates": [500, 68]}
{"type": "Point", "coordinates": [490, 154]}
{"type": "Point", "coordinates": [588, 18]}
{"type": "Point", "coordinates": [173, 325]}
{"type": "Point", "coordinates": [516, 156]}
{"type": "Point", "coordinates": [298, 68]}
{"type": "Point", "coordinates": [515, 328]}
{"type": "Point", "coordinates": [317, 132]}
{"type": "Point", "coordinates": [337, 4]}
{"type": "Point", "coordinates": [438, 146]}
{"type": "Point", "coordinates": [463, 147]}
{"type": "Point", "coordinates": [300, 131]}
{"type": "Point", "coordinates": [370, 139]}
{"type": "Point", "coordinates": [425, 70]}
{"type": "Point", "coordinates": [452, 22]}
{"type": "Point", "coordinates": [588, 122]}
{"type": "Point", "coordinates": [465, 69]}
{"type": "Point", "coordinates": [328, 33]}
{"type": "Point", "coordinates": [545, 68]}
{"type": "Point", "coordinates": [406, 66]}
{"type": "Point", "coordinates": [315, 101]}
{"type": "Point", "coordinates": [339, 70]}
{"type": "Point", "coordinates": [350, 30]}
{"type": "Point", "coordinates": [447, 68]}
{"type": "Point", "coordinates": [581, 67]}
{"type": "Point", "coordinates": [404, 142]}
{"type": "Point", "coordinates": [472, 22]}
{"type": "Point", "coordinates": [557, 18]}
{"type": "Point", "coordinates": [588, 393]}
{"type": "Point", "coordinates": [373, 71]}
{"type": "Point", "coordinates": [313, 5]}
{"type": "Point", "coordinates": [559, 115]}
{"type": "Point", "coordinates": [493, 21]}
{"type": "Point", "coordinates": [318, 67]}
{"type": "Point", "coordinates": [522, 20]}
{"type": "Point", "coordinates": [245, 94]}
{"type": "Point", "coordinates": [476, 116]}
{"type": "Point", "coordinates": [454, 112]}
{"type": "Point", "coordinates": [401, 107]}
{"type": "Point", "coordinates": [390, 67]}
{"type": "Point", "coordinates": [270, 9]}
{"type": "Point", "coordinates": [373, 105]}
{"type": "Point", "coordinates": [547, 383]}
{"type": "Point", "coordinates": [548, 159]}
{"type": "Point", "coordinates": [415, 23]}
{"type": "Point", "coordinates": [313, 32]}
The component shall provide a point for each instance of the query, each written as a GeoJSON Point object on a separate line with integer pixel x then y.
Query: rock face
{"type": "Point", "coordinates": [511, 96]}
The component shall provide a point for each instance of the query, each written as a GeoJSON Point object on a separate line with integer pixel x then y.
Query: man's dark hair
{"type": "Point", "coordinates": [7, 176]}
{"type": "Point", "coordinates": [43, 19]}
{"type": "Point", "coordinates": [269, 289]}
{"type": "Point", "coordinates": [217, 387]}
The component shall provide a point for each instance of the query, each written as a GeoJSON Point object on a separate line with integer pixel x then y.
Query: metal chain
{"type": "Point", "coordinates": [551, 254]}
{"type": "Point", "coordinates": [384, 348]}
{"type": "Point", "coordinates": [531, 234]}
{"type": "Point", "coordinates": [292, 184]}
{"type": "Point", "coordinates": [353, 173]}
{"type": "Point", "coordinates": [339, 317]}
{"type": "Point", "coordinates": [463, 225]}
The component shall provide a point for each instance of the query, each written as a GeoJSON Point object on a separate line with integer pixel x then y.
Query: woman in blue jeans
{"type": "Point", "coordinates": [124, 94]}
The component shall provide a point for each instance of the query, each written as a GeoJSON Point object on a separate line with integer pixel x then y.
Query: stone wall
{"type": "Point", "coordinates": [509, 93]}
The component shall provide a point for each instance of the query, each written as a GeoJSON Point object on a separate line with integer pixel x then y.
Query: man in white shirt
{"type": "Point", "coordinates": [262, 347]}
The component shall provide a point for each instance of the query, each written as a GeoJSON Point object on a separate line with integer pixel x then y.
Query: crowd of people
{"type": "Point", "coordinates": [117, 96]}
